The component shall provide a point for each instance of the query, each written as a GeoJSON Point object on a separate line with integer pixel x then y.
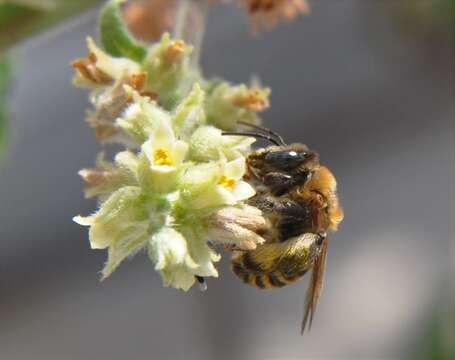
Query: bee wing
{"type": "Point", "coordinates": [315, 288]}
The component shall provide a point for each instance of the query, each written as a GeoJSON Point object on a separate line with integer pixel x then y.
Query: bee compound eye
{"type": "Point", "coordinates": [286, 159]}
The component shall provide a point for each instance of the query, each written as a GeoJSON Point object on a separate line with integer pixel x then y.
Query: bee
{"type": "Point", "coordinates": [298, 198]}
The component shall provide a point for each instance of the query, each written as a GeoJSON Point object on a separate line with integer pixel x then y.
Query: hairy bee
{"type": "Point", "coordinates": [297, 197]}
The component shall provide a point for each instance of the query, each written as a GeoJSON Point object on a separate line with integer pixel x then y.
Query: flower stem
{"type": "Point", "coordinates": [190, 25]}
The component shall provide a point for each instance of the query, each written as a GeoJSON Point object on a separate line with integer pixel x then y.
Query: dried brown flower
{"type": "Point", "coordinates": [175, 51]}
{"type": "Point", "coordinates": [269, 12]}
{"type": "Point", "coordinates": [101, 180]}
{"type": "Point", "coordinates": [88, 70]}
{"type": "Point", "coordinates": [112, 103]}
{"type": "Point", "coordinates": [96, 177]}
{"type": "Point", "coordinates": [252, 100]}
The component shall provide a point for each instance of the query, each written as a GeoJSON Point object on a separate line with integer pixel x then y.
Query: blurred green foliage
{"type": "Point", "coordinates": [437, 341]}
{"type": "Point", "coordinates": [431, 18]}
{"type": "Point", "coordinates": [22, 18]}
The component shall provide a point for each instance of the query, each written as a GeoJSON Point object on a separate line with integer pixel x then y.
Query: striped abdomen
{"type": "Point", "coordinates": [251, 273]}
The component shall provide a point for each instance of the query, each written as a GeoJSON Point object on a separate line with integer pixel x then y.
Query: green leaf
{"type": "Point", "coordinates": [115, 37]}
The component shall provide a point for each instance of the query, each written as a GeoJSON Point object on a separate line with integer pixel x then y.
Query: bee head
{"type": "Point", "coordinates": [290, 159]}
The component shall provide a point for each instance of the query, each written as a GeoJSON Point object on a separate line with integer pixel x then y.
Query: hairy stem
{"type": "Point", "coordinates": [190, 25]}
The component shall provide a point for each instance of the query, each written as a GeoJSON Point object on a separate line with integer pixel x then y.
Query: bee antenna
{"type": "Point", "coordinates": [265, 130]}
{"type": "Point", "coordinates": [253, 134]}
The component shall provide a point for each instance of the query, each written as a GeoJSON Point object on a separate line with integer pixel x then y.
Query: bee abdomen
{"type": "Point", "coordinates": [250, 273]}
{"type": "Point", "coordinates": [278, 279]}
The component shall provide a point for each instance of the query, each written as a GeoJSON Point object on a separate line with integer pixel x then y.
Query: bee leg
{"type": "Point", "coordinates": [292, 217]}
{"type": "Point", "coordinates": [232, 247]}
{"type": "Point", "coordinates": [202, 283]}
{"type": "Point", "coordinates": [278, 183]}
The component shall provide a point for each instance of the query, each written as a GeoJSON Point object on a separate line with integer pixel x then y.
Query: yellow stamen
{"type": "Point", "coordinates": [162, 157]}
{"type": "Point", "coordinates": [174, 52]}
{"type": "Point", "coordinates": [227, 183]}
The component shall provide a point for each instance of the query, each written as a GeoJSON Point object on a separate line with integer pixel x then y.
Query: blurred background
{"type": "Point", "coordinates": [369, 84]}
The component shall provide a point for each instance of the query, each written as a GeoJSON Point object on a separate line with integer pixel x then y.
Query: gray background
{"type": "Point", "coordinates": [376, 103]}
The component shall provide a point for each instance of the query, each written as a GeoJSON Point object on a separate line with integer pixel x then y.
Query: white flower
{"type": "Point", "coordinates": [117, 68]}
{"type": "Point", "coordinates": [141, 117]}
{"type": "Point", "coordinates": [169, 250]}
{"type": "Point", "coordinates": [212, 185]}
{"type": "Point", "coordinates": [99, 68]}
{"type": "Point", "coordinates": [164, 152]}
{"type": "Point", "coordinates": [232, 186]}
{"type": "Point", "coordinates": [237, 226]}
{"type": "Point", "coordinates": [169, 72]}
{"type": "Point", "coordinates": [121, 225]}
{"type": "Point", "coordinates": [161, 160]}
{"type": "Point", "coordinates": [189, 114]}
{"type": "Point", "coordinates": [180, 258]}
{"type": "Point", "coordinates": [176, 183]}
{"type": "Point", "coordinates": [208, 143]}
{"type": "Point", "coordinates": [227, 105]}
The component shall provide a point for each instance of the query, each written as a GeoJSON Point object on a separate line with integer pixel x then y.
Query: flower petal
{"type": "Point", "coordinates": [114, 67]}
{"type": "Point", "coordinates": [148, 149]}
{"type": "Point", "coordinates": [122, 210]}
{"type": "Point", "coordinates": [127, 160]}
{"type": "Point", "coordinates": [168, 250]}
{"type": "Point", "coordinates": [242, 191]}
{"type": "Point", "coordinates": [130, 241]}
{"type": "Point", "coordinates": [240, 143]}
{"type": "Point", "coordinates": [206, 144]}
{"type": "Point", "coordinates": [222, 196]}
{"type": "Point", "coordinates": [235, 169]}
{"type": "Point", "coordinates": [163, 169]}
{"type": "Point", "coordinates": [163, 179]}
{"type": "Point", "coordinates": [179, 151]}
{"type": "Point", "coordinates": [163, 136]}
{"type": "Point", "coordinates": [190, 114]}
{"type": "Point", "coordinates": [201, 252]}
{"type": "Point", "coordinates": [84, 221]}
{"type": "Point", "coordinates": [142, 117]}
